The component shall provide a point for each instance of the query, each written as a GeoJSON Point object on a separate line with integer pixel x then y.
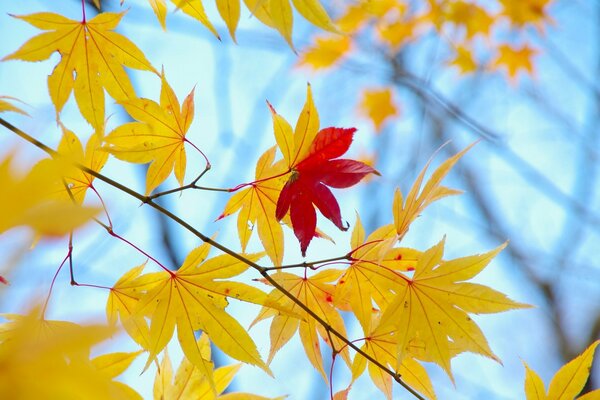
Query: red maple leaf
{"type": "Point", "coordinates": [307, 186]}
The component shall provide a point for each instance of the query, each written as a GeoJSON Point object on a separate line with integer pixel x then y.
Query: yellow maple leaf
{"type": "Point", "coordinates": [407, 210]}
{"type": "Point", "coordinates": [112, 365]}
{"type": "Point", "coordinates": [463, 60]}
{"type": "Point", "coordinates": [524, 12]}
{"type": "Point", "coordinates": [379, 106]}
{"type": "Point", "coordinates": [295, 145]}
{"type": "Point", "coordinates": [372, 276]}
{"type": "Point", "coordinates": [70, 148]}
{"type": "Point", "coordinates": [430, 312]}
{"type": "Point", "coordinates": [567, 382]}
{"type": "Point", "coordinates": [92, 59]}
{"type": "Point", "coordinates": [325, 52]}
{"type": "Point", "coordinates": [41, 359]}
{"type": "Point", "coordinates": [256, 206]}
{"type": "Point", "coordinates": [398, 33]}
{"type": "Point", "coordinates": [159, 7]}
{"type": "Point", "coordinates": [6, 105]}
{"type": "Point", "coordinates": [474, 18]}
{"type": "Point", "coordinates": [31, 200]}
{"type": "Point", "coordinates": [514, 60]}
{"type": "Point", "coordinates": [382, 347]}
{"type": "Point", "coordinates": [278, 14]}
{"type": "Point", "coordinates": [121, 305]}
{"type": "Point", "coordinates": [194, 298]}
{"type": "Point", "coordinates": [158, 136]}
{"type": "Point", "coordinates": [317, 293]}
{"type": "Point", "coordinates": [190, 383]}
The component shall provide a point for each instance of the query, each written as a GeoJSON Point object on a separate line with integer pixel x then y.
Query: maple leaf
{"type": "Point", "coordinates": [524, 12]}
{"type": "Point", "coordinates": [514, 60]}
{"type": "Point", "coordinates": [567, 382]}
{"type": "Point", "coordinates": [70, 148]}
{"type": "Point", "coordinates": [379, 106]}
{"type": "Point", "coordinates": [371, 275]}
{"type": "Point", "coordinates": [194, 298]}
{"type": "Point", "coordinates": [474, 18]}
{"type": "Point", "coordinates": [54, 355]}
{"type": "Point", "coordinates": [312, 157]}
{"type": "Point", "coordinates": [256, 206]}
{"type": "Point", "coordinates": [398, 33]}
{"type": "Point", "coordinates": [407, 210]}
{"type": "Point", "coordinates": [317, 293]}
{"type": "Point", "coordinates": [92, 59]}
{"type": "Point", "coordinates": [463, 60]}
{"type": "Point", "coordinates": [278, 14]}
{"type": "Point", "coordinates": [325, 52]}
{"type": "Point", "coordinates": [33, 202]}
{"type": "Point", "coordinates": [430, 310]}
{"type": "Point", "coordinates": [158, 136]}
{"type": "Point", "coordinates": [190, 383]}
{"type": "Point", "coordinates": [112, 365]}
{"type": "Point", "coordinates": [121, 305]}
{"type": "Point", "coordinates": [5, 105]}
{"type": "Point", "coordinates": [382, 347]}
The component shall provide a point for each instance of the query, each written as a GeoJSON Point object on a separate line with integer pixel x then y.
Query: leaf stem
{"type": "Point", "coordinates": [243, 185]}
{"type": "Point", "coordinates": [112, 233]}
{"type": "Point", "coordinates": [261, 270]}
{"type": "Point", "coordinates": [103, 205]}
{"type": "Point", "coordinates": [67, 257]}
{"type": "Point", "coordinates": [83, 19]}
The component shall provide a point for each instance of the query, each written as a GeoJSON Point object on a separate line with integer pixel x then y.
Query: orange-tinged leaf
{"type": "Point", "coordinates": [92, 59]}
{"type": "Point", "coordinates": [256, 206]}
{"type": "Point", "coordinates": [5, 105]}
{"type": "Point", "coordinates": [472, 17]}
{"type": "Point", "coordinates": [463, 60]}
{"type": "Point", "coordinates": [158, 136]}
{"type": "Point", "coordinates": [515, 59]}
{"type": "Point", "coordinates": [325, 52]}
{"type": "Point", "coordinates": [430, 314]}
{"type": "Point", "coordinates": [379, 106]}
{"type": "Point", "coordinates": [521, 13]}
{"type": "Point", "coordinates": [570, 379]}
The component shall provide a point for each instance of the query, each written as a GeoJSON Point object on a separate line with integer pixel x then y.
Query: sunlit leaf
{"type": "Point", "coordinates": [92, 59]}
{"type": "Point", "coordinates": [157, 136]}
